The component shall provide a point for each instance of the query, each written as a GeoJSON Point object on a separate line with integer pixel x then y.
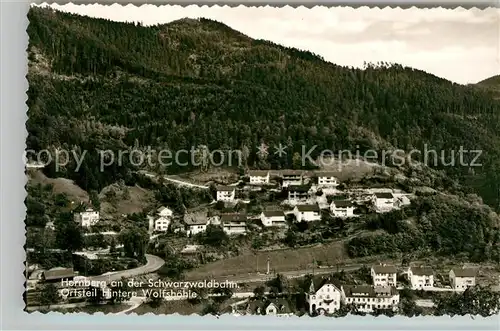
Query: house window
{"type": "Point", "coordinates": [271, 311]}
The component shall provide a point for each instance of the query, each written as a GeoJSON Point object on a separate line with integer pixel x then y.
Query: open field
{"type": "Point", "coordinates": [280, 260]}
{"type": "Point", "coordinates": [127, 200]}
{"type": "Point", "coordinates": [60, 185]}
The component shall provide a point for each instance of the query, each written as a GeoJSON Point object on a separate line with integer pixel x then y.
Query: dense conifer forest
{"type": "Point", "coordinates": [95, 83]}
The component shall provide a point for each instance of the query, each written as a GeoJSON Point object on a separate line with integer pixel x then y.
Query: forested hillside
{"type": "Point", "coordinates": [100, 84]}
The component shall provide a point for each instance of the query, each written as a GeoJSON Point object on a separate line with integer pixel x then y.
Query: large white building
{"type": "Point", "coordinates": [326, 179]}
{"type": "Point", "coordinates": [307, 213]}
{"type": "Point", "coordinates": [195, 223]}
{"type": "Point", "coordinates": [462, 278]}
{"type": "Point", "coordinates": [421, 278]}
{"type": "Point", "coordinates": [342, 208]}
{"type": "Point", "coordinates": [226, 193]}
{"type": "Point", "coordinates": [368, 298]}
{"type": "Point", "coordinates": [383, 202]}
{"type": "Point", "coordinates": [383, 275]}
{"type": "Point", "coordinates": [323, 297]}
{"type": "Point", "coordinates": [273, 218]}
{"type": "Point", "coordinates": [87, 218]}
{"type": "Point", "coordinates": [298, 193]}
{"type": "Point", "coordinates": [258, 177]}
{"type": "Point", "coordinates": [162, 222]}
{"type": "Point", "coordinates": [234, 223]}
{"type": "Point", "coordinates": [292, 177]}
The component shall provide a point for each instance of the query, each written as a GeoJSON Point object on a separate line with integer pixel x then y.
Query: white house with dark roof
{"type": "Point", "coordinates": [258, 177]}
{"type": "Point", "coordinates": [383, 275]}
{"type": "Point", "coordinates": [87, 218]}
{"type": "Point", "coordinates": [307, 213]}
{"type": "Point", "coordinates": [368, 298]}
{"type": "Point", "coordinates": [162, 222]}
{"type": "Point", "coordinates": [298, 193]}
{"type": "Point", "coordinates": [421, 278]}
{"type": "Point", "coordinates": [326, 179]}
{"type": "Point", "coordinates": [195, 223]}
{"type": "Point", "coordinates": [278, 307]}
{"type": "Point", "coordinates": [273, 218]}
{"type": "Point", "coordinates": [55, 275]}
{"type": "Point", "coordinates": [342, 208]}
{"type": "Point", "coordinates": [226, 193]}
{"type": "Point", "coordinates": [383, 202]}
{"type": "Point", "coordinates": [323, 297]}
{"type": "Point", "coordinates": [462, 278]}
{"type": "Point", "coordinates": [292, 177]}
{"type": "Point", "coordinates": [234, 223]}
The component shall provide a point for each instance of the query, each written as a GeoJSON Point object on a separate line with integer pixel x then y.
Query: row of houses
{"type": "Point", "coordinates": [421, 278]}
{"type": "Point", "coordinates": [303, 193]}
{"type": "Point", "coordinates": [325, 297]}
{"type": "Point", "coordinates": [292, 177]}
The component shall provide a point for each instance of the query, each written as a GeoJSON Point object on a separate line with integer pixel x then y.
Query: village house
{"type": "Point", "coordinates": [421, 277]}
{"type": "Point", "coordinates": [298, 192]}
{"type": "Point", "coordinates": [226, 193]}
{"type": "Point", "coordinates": [326, 179]}
{"type": "Point", "coordinates": [87, 218]}
{"type": "Point", "coordinates": [195, 223]}
{"type": "Point", "coordinates": [462, 278]}
{"type": "Point", "coordinates": [342, 208]}
{"type": "Point", "coordinates": [368, 298]}
{"type": "Point", "coordinates": [55, 275]}
{"type": "Point", "coordinates": [292, 177]}
{"type": "Point", "coordinates": [258, 177]}
{"type": "Point", "coordinates": [278, 307]}
{"type": "Point", "coordinates": [383, 275]}
{"type": "Point", "coordinates": [383, 202]}
{"type": "Point", "coordinates": [273, 218]}
{"type": "Point", "coordinates": [323, 297]}
{"type": "Point", "coordinates": [164, 218]}
{"type": "Point", "coordinates": [234, 223]}
{"type": "Point", "coordinates": [50, 226]}
{"type": "Point", "coordinates": [307, 213]}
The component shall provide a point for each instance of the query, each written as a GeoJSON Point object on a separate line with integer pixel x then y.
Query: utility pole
{"type": "Point", "coordinates": [267, 266]}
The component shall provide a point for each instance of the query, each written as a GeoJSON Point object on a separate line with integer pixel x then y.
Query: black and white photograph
{"type": "Point", "coordinates": [267, 161]}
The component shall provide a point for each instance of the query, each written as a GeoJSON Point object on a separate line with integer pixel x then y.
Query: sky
{"type": "Point", "coordinates": [460, 45]}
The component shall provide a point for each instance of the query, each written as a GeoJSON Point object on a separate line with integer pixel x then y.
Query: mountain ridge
{"type": "Point", "coordinates": [174, 85]}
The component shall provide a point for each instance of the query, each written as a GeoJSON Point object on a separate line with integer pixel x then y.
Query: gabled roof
{"type": "Point", "coordinates": [282, 305]}
{"type": "Point", "coordinates": [163, 209]}
{"type": "Point", "coordinates": [464, 272]}
{"type": "Point", "coordinates": [299, 188]}
{"type": "Point", "coordinates": [325, 174]}
{"type": "Point", "coordinates": [317, 284]}
{"type": "Point", "coordinates": [58, 273]}
{"type": "Point", "coordinates": [226, 188]}
{"type": "Point", "coordinates": [195, 219]}
{"type": "Point", "coordinates": [342, 203]}
{"type": "Point", "coordinates": [384, 195]}
{"type": "Point", "coordinates": [290, 172]}
{"type": "Point", "coordinates": [233, 217]}
{"type": "Point", "coordinates": [261, 173]}
{"type": "Point", "coordinates": [384, 269]}
{"type": "Point", "coordinates": [305, 208]}
{"type": "Point", "coordinates": [422, 271]}
{"type": "Point", "coordinates": [273, 213]}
